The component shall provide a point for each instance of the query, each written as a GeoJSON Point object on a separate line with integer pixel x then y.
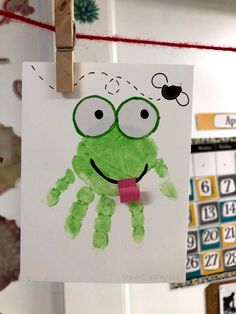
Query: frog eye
{"type": "Point", "coordinates": [138, 117]}
{"type": "Point", "coordinates": [93, 116]}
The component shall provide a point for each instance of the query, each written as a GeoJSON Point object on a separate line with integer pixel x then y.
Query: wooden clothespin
{"type": "Point", "coordinates": [65, 42]}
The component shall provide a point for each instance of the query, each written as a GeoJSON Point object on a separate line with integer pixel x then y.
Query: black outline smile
{"type": "Point", "coordinates": [112, 180]}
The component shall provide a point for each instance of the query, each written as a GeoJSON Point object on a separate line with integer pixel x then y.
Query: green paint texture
{"type": "Point", "coordinates": [118, 157]}
{"type": "Point", "coordinates": [105, 209]}
{"type": "Point", "coordinates": [161, 168]}
{"type": "Point", "coordinates": [78, 211]}
{"type": "Point", "coordinates": [62, 185]}
{"type": "Point", "coordinates": [168, 189]}
{"type": "Point", "coordinates": [137, 213]}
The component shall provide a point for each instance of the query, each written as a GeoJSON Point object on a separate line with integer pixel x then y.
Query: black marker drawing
{"type": "Point", "coordinates": [170, 92]}
{"type": "Point", "coordinates": [159, 81]}
{"type": "Point", "coordinates": [229, 304]}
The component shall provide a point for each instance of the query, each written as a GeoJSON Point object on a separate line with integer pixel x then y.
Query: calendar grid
{"type": "Point", "coordinates": [211, 242]}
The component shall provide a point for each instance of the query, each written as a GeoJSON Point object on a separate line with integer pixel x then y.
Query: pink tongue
{"type": "Point", "coordinates": [129, 191]}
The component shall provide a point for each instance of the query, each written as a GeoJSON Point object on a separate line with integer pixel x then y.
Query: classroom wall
{"type": "Point", "coordinates": [201, 21]}
{"type": "Point", "coordinates": [21, 43]}
{"type": "Point", "coordinates": [205, 21]}
{"type": "Point", "coordinates": [198, 21]}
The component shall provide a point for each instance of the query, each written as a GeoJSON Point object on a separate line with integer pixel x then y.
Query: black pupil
{"type": "Point", "coordinates": [98, 114]}
{"type": "Point", "coordinates": [144, 114]}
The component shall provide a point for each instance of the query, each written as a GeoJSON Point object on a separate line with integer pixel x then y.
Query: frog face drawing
{"type": "Point", "coordinates": [116, 146]}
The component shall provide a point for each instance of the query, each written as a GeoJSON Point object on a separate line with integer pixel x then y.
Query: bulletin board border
{"type": "Point", "coordinates": [216, 140]}
{"type": "Point", "coordinates": [204, 279]}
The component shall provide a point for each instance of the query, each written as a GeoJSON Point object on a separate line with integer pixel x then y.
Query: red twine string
{"type": "Point", "coordinates": [116, 39]}
{"type": "Point", "coordinates": [27, 20]}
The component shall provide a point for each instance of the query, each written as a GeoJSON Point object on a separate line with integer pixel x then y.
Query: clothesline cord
{"type": "Point", "coordinates": [118, 39]}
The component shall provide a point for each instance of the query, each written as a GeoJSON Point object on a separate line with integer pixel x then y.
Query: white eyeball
{"type": "Point", "coordinates": [137, 117]}
{"type": "Point", "coordinates": [93, 116]}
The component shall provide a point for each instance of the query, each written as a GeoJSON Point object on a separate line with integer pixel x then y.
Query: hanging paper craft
{"type": "Point", "coordinates": [105, 173]}
{"type": "Point", "coordinates": [9, 252]}
{"type": "Point", "coordinates": [86, 11]}
{"type": "Point", "coordinates": [10, 158]}
{"type": "Point", "coordinates": [227, 298]}
{"type": "Point", "coordinates": [19, 6]}
{"type": "Point", "coordinates": [17, 88]}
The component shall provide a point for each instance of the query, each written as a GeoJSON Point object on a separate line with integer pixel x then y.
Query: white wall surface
{"type": "Point", "coordinates": [95, 298]}
{"type": "Point", "coordinates": [21, 43]}
{"type": "Point", "coordinates": [32, 298]}
{"type": "Point", "coordinates": [200, 21]}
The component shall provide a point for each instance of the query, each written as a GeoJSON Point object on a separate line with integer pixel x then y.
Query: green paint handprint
{"type": "Point", "coordinates": [115, 146]}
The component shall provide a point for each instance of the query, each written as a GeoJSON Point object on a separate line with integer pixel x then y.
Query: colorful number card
{"type": "Point", "coordinates": [87, 158]}
{"type": "Point", "coordinates": [211, 241]}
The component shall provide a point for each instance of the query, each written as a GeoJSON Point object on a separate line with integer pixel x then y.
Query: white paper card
{"type": "Point", "coordinates": [227, 298]}
{"type": "Point", "coordinates": [122, 121]}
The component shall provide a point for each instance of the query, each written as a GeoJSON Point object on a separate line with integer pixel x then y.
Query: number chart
{"type": "Point", "coordinates": [211, 239]}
